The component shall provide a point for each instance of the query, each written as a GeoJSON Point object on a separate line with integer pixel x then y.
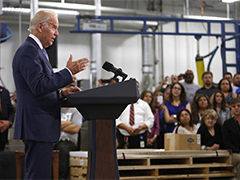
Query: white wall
{"type": "Point", "coordinates": [179, 52]}
{"type": "Point", "coordinates": [123, 51]}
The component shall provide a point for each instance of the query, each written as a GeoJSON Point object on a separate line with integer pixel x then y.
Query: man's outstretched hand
{"type": "Point", "coordinates": [78, 65]}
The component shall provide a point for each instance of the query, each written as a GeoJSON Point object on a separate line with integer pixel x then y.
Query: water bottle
{"type": "Point", "coordinates": [142, 144]}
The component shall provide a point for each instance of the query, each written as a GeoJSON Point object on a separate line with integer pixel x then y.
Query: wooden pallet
{"type": "Point", "coordinates": [145, 164]}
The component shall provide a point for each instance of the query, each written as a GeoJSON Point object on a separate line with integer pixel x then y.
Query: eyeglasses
{"type": "Point", "coordinates": [177, 88]}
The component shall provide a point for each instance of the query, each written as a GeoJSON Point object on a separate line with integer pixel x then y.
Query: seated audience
{"type": "Point", "coordinates": [210, 130]}
{"type": "Point", "coordinates": [153, 133]}
{"type": "Point", "coordinates": [208, 88]}
{"type": "Point", "coordinates": [133, 124]}
{"type": "Point", "coordinates": [238, 91]}
{"type": "Point", "coordinates": [228, 76]}
{"type": "Point", "coordinates": [224, 85]}
{"type": "Point", "coordinates": [236, 82]}
{"type": "Point", "coordinates": [200, 104]}
{"type": "Point", "coordinates": [189, 86]}
{"type": "Point", "coordinates": [166, 95]}
{"type": "Point", "coordinates": [177, 101]}
{"type": "Point", "coordinates": [219, 105]}
{"type": "Point", "coordinates": [185, 123]}
{"type": "Point", "coordinates": [231, 135]}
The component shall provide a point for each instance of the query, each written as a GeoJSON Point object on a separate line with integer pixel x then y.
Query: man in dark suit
{"type": "Point", "coordinates": [231, 134]}
{"type": "Point", "coordinates": [38, 91]}
{"type": "Point", "coordinates": [6, 116]}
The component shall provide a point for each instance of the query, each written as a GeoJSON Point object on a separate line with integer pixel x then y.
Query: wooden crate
{"type": "Point", "coordinates": [145, 164]}
{"type": "Point", "coordinates": [78, 161]}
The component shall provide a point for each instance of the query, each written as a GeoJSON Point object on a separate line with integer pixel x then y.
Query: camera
{"type": "Point", "coordinates": [106, 80]}
{"type": "Point", "coordinates": [187, 76]}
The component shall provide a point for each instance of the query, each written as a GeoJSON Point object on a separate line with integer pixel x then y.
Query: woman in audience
{"type": "Point", "coordinates": [177, 101]}
{"type": "Point", "coordinates": [185, 123]}
{"type": "Point", "coordinates": [210, 130]}
{"type": "Point", "coordinates": [219, 105]}
{"type": "Point", "coordinates": [224, 85]}
{"type": "Point", "coordinates": [152, 135]}
{"type": "Point", "coordinates": [200, 104]}
{"type": "Point", "coordinates": [160, 140]}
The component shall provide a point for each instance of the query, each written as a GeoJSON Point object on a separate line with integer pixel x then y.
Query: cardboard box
{"type": "Point", "coordinates": [174, 141]}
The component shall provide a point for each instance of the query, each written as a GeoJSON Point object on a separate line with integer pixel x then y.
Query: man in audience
{"type": "Point", "coordinates": [174, 78]}
{"type": "Point", "coordinates": [231, 135]}
{"type": "Point", "coordinates": [189, 86]}
{"type": "Point", "coordinates": [208, 88]}
{"type": "Point", "coordinates": [133, 124]}
{"type": "Point", "coordinates": [6, 116]}
{"type": "Point", "coordinates": [71, 122]}
{"type": "Point", "coordinates": [228, 76]}
{"type": "Point", "coordinates": [236, 82]}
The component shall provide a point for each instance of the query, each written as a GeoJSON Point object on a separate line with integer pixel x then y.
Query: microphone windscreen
{"type": "Point", "coordinates": [107, 66]}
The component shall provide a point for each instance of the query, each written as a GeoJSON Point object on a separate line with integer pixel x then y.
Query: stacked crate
{"type": "Point", "coordinates": [78, 165]}
{"type": "Point", "coordinates": [158, 164]}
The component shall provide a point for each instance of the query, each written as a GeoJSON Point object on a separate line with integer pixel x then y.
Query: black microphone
{"type": "Point", "coordinates": [117, 71]}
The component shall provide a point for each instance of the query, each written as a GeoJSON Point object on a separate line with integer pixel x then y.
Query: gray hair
{"type": "Point", "coordinates": [43, 17]}
{"type": "Point", "coordinates": [212, 113]}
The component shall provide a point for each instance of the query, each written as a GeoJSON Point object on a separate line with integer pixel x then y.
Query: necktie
{"type": "Point", "coordinates": [131, 118]}
{"type": "Point", "coordinates": [45, 53]}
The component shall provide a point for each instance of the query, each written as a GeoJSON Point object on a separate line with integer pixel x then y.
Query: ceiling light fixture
{"type": "Point", "coordinates": [205, 17]}
{"type": "Point", "coordinates": [27, 11]}
{"type": "Point", "coordinates": [229, 1]}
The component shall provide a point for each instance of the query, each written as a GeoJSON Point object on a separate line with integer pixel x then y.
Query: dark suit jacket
{"type": "Point", "coordinates": [38, 101]}
{"type": "Point", "coordinates": [231, 135]}
{"type": "Point", "coordinates": [7, 111]}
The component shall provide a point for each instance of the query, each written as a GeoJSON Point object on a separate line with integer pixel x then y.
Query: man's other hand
{"type": "Point", "coordinates": [70, 90]}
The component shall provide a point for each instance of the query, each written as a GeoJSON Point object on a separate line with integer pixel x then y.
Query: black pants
{"type": "Point", "coordinates": [132, 141]}
{"type": "Point", "coordinates": [2, 146]}
{"type": "Point", "coordinates": [64, 147]}
{"type": "Point", "coordinates": [3, 140]}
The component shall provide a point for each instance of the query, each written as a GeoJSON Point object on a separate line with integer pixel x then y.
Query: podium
{"type": "Point", "coordinates": [101, 106]}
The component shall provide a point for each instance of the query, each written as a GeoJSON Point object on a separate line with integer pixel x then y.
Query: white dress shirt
{"type": "Point", "coordinates": [142, 115]}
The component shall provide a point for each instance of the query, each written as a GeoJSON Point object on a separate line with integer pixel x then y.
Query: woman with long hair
{"type": "Point", "coordinates": [219, 105]}
{"type": "Point", "coordinates": [200, 104]}
{"type": "Point", "coordinates": [153, 134]}
{"type": "Point", "coordinates": [185, 123]}
{"type": "Point", "coordinates": [177, 101]}
{"type": "Point", "coordinates": [225, 86]}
